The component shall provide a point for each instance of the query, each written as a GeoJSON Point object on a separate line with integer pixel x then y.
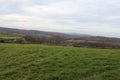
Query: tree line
{"type": "Point", "coordinates": [58, 40]}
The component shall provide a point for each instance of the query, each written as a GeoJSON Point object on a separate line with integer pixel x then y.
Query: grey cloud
{"type": "Point", "coordinates": [101, 17]}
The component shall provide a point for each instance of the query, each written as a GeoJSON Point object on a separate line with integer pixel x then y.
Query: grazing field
{"type": "Point", "coordinates": [42, 62]}
{"type": "Point", "coordinates": [9, 35]}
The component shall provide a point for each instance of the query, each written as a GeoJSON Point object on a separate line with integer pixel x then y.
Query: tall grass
{"type": "Point", "coordinates": [42, 62]}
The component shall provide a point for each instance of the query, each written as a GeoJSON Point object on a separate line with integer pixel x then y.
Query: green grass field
{"type": "Point", "coordinates": [9, 35]}
{"type": "Point", "coordinates": [42, 62]}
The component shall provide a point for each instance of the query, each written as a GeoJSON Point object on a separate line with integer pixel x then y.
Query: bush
{"type": "Point", "coordinates": [2, 41]}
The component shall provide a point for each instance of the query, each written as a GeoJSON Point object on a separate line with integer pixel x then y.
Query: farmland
{"type": "Point", "coordinates": [42, 62]}
{"type": "Point", "coordinates": [5, 35]}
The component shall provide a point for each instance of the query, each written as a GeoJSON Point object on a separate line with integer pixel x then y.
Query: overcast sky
{"type": "Point", "coordinates": [96, 17]}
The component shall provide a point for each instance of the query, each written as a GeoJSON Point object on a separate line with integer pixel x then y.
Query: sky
{"type": "Point", "coordinates": [94, 17]}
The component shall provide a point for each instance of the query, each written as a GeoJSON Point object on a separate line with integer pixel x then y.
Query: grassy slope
{"type": "Point", "coordinates": [40, 62]}
{"type": "Point", "coordinates": [9, 35]}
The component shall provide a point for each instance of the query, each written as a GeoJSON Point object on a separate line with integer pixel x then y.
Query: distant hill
{"type": "Point", "coordinates": [36, 33]}
{"type": "Point", "coordinates": [55, 38]}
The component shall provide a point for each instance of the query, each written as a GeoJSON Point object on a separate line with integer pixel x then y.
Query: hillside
{"type": "Point", "coordinates": [55, 38]}
{"type": "Point", "coordinates": [39, 34]}
{"type": "Point", "coordinates": [41, 62]}
{"type": "Point", "coordinates": [6, 35]}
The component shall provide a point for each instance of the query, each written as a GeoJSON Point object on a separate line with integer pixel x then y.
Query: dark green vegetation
{"type": "Point", "coordinates": [41, 62]}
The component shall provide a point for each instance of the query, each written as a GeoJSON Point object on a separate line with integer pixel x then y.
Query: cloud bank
{"type": "Point", "coordinates": [96, 17]}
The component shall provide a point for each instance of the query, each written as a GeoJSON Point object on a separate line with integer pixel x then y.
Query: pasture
{"type": "Point", "coordinates": [42, 62]}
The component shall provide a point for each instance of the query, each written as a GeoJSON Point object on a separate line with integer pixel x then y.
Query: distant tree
{"type": "Point", "coordinates": [56, 40]}
{"type": "Point", "coordinates": [2, 41]}
{"type": "Point", "coordinates": [20, 40]}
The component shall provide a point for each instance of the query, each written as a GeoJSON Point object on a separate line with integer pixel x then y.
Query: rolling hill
{"type": "Point", "coordinates": [36, 33]}
{"type": "Point", "coordinates": [55, 38]}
